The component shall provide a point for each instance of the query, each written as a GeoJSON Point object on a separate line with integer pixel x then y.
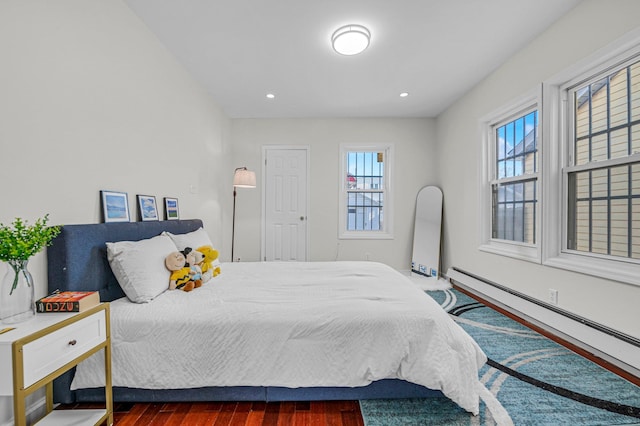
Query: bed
{"type": "Point", "coordinates": [262, 331]}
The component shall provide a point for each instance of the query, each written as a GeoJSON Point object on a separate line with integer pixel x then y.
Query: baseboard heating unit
{"type": "Point", "coordinates": [611, 346]}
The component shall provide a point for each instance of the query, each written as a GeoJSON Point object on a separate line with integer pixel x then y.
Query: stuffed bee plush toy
{"type": "Point", "coordinates": [210, 265]}
{"type": "Point", "coordinates": [180, 273]}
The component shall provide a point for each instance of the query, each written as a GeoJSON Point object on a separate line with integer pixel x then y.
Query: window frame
{"type": "Point", "coordinates": [558, 164]}
{"type": "Point", "coordinates": [528, 102]}
{"type": "Point", "coordinates": [387, 231]}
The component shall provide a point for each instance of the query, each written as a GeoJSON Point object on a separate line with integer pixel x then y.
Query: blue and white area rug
{"type": "Point", "coordinates": [532, 381]}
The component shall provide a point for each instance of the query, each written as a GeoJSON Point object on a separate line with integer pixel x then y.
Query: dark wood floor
{"type": "Point", "coordinates": [317, 413]}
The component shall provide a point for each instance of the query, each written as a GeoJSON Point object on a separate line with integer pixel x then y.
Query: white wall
{"type": "Point", "coordinates": [91, 100]}
{"type": "Point", "coordinates": [414, 167]}
{"type": "Point", "coordinates": [569, 40]}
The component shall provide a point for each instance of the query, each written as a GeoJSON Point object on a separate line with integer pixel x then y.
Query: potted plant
{"type": "Point", "coordinates": [18, 243]}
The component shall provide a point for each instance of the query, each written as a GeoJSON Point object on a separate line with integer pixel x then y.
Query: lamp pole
{"type": "Point", "coordinates": [233, 223]}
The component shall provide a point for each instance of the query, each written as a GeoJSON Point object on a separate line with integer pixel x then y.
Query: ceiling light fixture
{"type": "Point", "coordinates": [350, 39]}
{"type": "Point", "coordinates": [271, 96]}
{"type": "Point", "coordinates": [404, 94]}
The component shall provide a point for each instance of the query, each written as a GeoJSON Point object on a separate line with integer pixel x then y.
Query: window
{"type": "Point", "coordinates": [510, 184]}
{"type": "Point", "coordinates": [513, 189]}
{"type": "Point", "coordinates": [592, 180]}
{"type": "Point", "coordinates": [365, 196]}
{"type": "Point", "coordinates": [603, 171]}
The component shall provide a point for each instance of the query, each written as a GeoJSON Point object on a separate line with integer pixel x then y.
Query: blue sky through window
{"type": "Point", "coordinates": [514, 141]}
{"type": "Point", "coordinates": [366, 168]}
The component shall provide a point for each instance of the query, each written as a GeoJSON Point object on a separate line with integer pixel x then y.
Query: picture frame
{"type": "Point", "coordinates": [171, 210]}
{"type": "Point", "coordinates": [115, 206]}
{"type": "Point", "coordinates": [147, 208]}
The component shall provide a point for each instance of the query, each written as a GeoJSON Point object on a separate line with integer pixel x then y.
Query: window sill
{"type": "Point", "coordinates": [361, 235]}
{"type": "Point", "coordinates": [602, 268]}
{"type": "Point", "coordinates": [516, 251]}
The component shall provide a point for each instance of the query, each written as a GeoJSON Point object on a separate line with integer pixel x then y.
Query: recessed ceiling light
{"type": "Point", "coordinates": [270, 96]}
{"type": "Point", "coordinates": [404, 94]}
{"type": "Point", "coordinates": [350, 39]}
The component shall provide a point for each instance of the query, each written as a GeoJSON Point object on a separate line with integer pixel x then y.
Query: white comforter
{"type": "Point", "coordinates": [293, 325]}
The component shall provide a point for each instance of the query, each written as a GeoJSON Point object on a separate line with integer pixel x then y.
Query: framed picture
{"type": "Point", "coordinates": [115, 206]}
{"type": "Point", "coordinates": [171, 211]}
{"type": "Point", "coordinates": [147, 208]}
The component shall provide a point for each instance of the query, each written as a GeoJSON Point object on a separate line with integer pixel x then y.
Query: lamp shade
{"type": "Point", "coordinates": [244, 178]}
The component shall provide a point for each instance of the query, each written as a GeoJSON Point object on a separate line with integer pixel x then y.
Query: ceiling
{"type": "Point", "coordinates": [436, 50]}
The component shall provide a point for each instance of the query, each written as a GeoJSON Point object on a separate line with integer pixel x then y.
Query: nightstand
{"type": "Point", "coordinates": [39, 350]}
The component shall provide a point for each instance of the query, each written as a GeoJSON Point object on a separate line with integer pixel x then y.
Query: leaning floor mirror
{"type": "Point", "coordinates": [425, 260]}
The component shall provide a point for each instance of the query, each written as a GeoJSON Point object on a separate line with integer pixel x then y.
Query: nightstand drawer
{"type": "Point", "coordinates": [43, 356]}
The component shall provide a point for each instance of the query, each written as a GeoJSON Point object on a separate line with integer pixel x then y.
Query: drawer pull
{"type": "Point", "coordinates": [72, 342]}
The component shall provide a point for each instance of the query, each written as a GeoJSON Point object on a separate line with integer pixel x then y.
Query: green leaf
{"type": "Point", "coordinates": [21, 241]}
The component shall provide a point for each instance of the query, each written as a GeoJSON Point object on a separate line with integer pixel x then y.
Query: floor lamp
{"type": "Point", "coordinates": [242, 178]}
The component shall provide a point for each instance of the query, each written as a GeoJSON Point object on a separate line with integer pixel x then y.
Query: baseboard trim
{"type": "Point", "coordinates": [616, 351]}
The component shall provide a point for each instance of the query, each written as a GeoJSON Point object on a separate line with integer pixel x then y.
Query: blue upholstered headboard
{"type": "Point", "coordinates": [77, 259]}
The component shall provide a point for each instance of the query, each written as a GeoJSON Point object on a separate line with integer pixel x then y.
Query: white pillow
{"type": "Point", "coordinates": [139, 266]}
{"type": "Point", "coordinates": [194, 239]}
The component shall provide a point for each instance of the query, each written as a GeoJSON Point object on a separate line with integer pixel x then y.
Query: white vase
{"type": "Point", "coordinates": [17, 293]}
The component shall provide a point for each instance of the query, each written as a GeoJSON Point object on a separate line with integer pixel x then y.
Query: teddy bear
{"type": "Point", "coordinates": [210, 265]}
{"type": "Point", "coordinates": [195, 271]}
{"type": "Point", "coordinates": [180, 277]}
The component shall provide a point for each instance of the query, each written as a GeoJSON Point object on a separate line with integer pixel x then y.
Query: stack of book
{"type": "Point", "coordinates": [68, 301]}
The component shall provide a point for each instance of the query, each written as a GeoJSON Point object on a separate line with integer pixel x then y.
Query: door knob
{"type": "Point", "coordinates": [301, 217]}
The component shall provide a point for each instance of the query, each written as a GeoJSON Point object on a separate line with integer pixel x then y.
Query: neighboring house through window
{"type": "Point", "coordinates": [593, 201]}
{"type": "Point", "coordinates": [603, 173]}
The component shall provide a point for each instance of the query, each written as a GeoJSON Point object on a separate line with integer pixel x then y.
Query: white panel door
{"type": "Point", "coordinates": [285, 204]}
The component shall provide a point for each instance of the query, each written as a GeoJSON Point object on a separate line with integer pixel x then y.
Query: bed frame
{"type": "Point", "coordinates": [77, 260]}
